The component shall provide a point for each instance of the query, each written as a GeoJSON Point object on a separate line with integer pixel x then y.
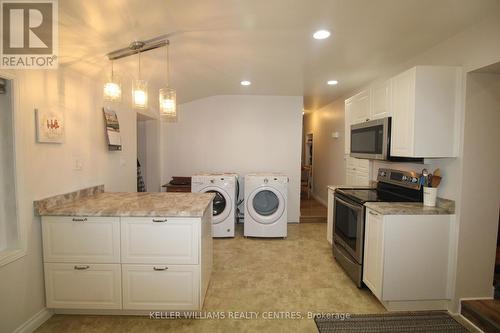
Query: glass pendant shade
{"type": "Point", "coordinates": [140, 94]}
{"type": "Point", "coordinates": [168, 104]}
{"type": "Point", "coordinates": [112, 91]}
{"type": "Point", "coordinates": [112, 88]}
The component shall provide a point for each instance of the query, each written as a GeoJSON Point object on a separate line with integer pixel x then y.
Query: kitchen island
{"type": "Point", "coordinates": [126, 253]}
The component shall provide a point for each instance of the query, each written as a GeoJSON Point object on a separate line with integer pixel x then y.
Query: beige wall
{"type": "Point", "coordinates": [48, 169]}
{"type": "Point", "coordinates": [481, 187]}
{"type": "Point", "coordinates": [471, 49]}
{"type": "Point", "coordinates": [328, 153]}
{"type": "Point", "coordinates": [241, 134]}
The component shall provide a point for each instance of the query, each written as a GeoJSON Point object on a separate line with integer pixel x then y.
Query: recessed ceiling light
{"type": "Point", "coordinates": [245, 83]}
{"type": "Point", "coordinates": [321, 34]}
{"type": "Point", "coordinates": [332, 82]}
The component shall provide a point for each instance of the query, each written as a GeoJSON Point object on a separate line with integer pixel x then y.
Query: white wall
{"type": "Point", "coordinates": [481, 187]}
{"type": "Point", "coordinates": [48, 169]}
{"type": "Point", "coordinates": [241, 134]}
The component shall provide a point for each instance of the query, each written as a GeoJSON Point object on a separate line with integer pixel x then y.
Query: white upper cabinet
{"type": "Point", "coordinates": [360, 108]}
{"type": "Point", "coordinates": [347, 123]}
{"type": "Point", "coordinates": [424, 104]}
{"type": "Point", "coordinates": [380, 106]}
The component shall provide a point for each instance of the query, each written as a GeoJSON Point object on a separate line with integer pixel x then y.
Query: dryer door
{"type": "Point", "coordinates": [266, 204]}
{"type": "Point", "coordinates": [222, 204]}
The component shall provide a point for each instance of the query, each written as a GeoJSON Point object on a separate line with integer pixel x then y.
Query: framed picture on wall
{"type": "Point", "coordinates": [50, 125]}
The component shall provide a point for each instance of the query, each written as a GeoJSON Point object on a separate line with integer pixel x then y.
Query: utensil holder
{"type": "Point", "coordinates": [430, 195]}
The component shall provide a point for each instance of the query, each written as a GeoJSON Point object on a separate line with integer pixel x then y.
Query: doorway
{"type": "Point", "coordinates": [148, 154]}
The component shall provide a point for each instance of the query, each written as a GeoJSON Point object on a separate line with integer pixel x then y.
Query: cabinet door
{"type": "Point", "coordinates": [161, 287]}
{"type": "Point", "coordinates": [165, 240]}
{"type": "Point", "coordinates": [360, 111]}
{"type": "Point", "coordinates": [403, 114]}
{"type": "Point", "coordinates": [380, 100]}
{"type": "Point", "coordinates": [81, 239]}
{"type": "Point", "coordinates": [373, 252]}
{"type": "Point", "coordinates": [347, 129]}
{"type": "Point", "coordinates": [83, 286]}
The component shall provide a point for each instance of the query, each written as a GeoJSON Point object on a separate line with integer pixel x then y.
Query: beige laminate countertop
{"type": "Point", "coordinates": [130, 204]}
{"type": "Point", "coordinates": [407, 208]}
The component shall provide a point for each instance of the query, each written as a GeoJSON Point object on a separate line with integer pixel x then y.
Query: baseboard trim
{"type": "Point", "coordinates": [34, 322]}
{"type": "Point", "coordinates": [318, 199]}
{"type": "Point", "coordinates": [471, 299]}
{"type": "Point", "coordinates": [470, 322]}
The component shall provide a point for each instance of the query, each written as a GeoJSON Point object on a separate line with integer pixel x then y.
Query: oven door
{"type": "Point", "coordinates": [349, 225]}
{"type": "Point", "coordinates": [371, 139]}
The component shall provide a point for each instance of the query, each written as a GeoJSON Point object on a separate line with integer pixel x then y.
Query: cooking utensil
{"type": "Point", "coordinates": [425, 174]}
{"type": "Point", "coordinates": [436, 180]}
{"type": "Point", "coordinates": [437, 172]}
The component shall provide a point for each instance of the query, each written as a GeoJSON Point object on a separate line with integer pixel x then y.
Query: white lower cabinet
{"type": "Point", "coordinates": [153, 240]}
{"type": "Point", "coordinates": [407, 257]}
{"type": "Point", "coordinates": [83, 286]}
{"type": "Point", "coordinates": [127, 263]}
{"type": "Point", "coordinates": [160, 287]}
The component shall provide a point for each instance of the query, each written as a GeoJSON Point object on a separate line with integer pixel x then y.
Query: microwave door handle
{"type": "Point", "coordinates": [350, 205]}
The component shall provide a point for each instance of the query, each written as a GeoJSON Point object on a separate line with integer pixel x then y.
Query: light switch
{"type": "Point", "coordinates": [335, 135]}
{"type": "Point", "coordinates": [78, 165]}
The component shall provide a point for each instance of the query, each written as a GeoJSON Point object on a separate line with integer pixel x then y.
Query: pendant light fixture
{"type": "Point", "coordinates": [139, 86]}
{"type": "Point", "coordinates": [112, 88]}
{"type": "Point", "coordinates": [167, 96]}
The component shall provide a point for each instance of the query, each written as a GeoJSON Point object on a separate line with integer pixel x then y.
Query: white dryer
{"type": "Point", "coordinates": [225, 188]}
{"type": "Point", "coordinates": [266, 205]}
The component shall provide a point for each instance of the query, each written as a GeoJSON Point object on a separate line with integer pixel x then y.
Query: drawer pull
{"type": "Point", "coordinates": [157, 268]}
{"type": "Point", "coordinates": [159, 220]}
{"type": "Point", "coordinates": [79, 219]}
{"type": "Point", "coordinates": [81, 267]}
{"type": "Point", "coordinates": [372, 213]}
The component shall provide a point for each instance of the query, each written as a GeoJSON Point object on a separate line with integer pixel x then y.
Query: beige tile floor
{"type": "Point", "coordinates": [260, 275]}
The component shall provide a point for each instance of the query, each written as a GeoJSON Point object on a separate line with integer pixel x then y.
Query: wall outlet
{"type": "Point", "coordinates": [335, 135]}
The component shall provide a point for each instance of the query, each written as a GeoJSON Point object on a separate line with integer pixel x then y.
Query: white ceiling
{"type": "Point", "coordinates": [217, 43]}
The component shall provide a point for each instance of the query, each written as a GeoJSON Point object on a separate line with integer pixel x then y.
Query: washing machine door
{"type": "Point", "coordinates": [222, 204]}
{"type": "Point", "coordinates": [266, 205]}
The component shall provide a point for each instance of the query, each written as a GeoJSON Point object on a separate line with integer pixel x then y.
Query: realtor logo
{"type": "Point", "coordinates": [29, 34]}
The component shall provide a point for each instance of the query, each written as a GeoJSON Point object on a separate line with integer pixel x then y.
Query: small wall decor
{"type": "Point", "coordinates": [49, 125]}
{"type": "Point", "coordinates": [112, 129]}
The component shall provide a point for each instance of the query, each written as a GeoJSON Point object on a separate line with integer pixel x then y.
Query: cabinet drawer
{"type": "Point", "coordinates": [160, 240]}
{"type": "Point", "coordinates": [83, 286]}
{"type": "Point", "coordinates": [81, 239]}
{"type": "Point", "coordinates": [161, 287]}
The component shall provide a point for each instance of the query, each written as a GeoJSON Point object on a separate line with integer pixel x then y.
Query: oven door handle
{"type": "Point", "coordinates": [350, 205]}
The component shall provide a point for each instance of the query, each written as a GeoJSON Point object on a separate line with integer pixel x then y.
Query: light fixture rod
{"type": "Point", "coordinates": [137, 47]}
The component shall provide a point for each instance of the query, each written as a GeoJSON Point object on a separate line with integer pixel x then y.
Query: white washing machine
{"type": "Point", "coordinates": [266, 205]}
{"type": "Point", "coordinates": [225, 188]}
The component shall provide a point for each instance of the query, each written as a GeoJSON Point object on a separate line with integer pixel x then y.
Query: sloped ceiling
{"type": "Point", "coordinates": [217, 43]}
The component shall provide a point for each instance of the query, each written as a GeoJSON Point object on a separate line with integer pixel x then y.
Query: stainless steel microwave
{"type": "Point", "coordinates": [371, 139]}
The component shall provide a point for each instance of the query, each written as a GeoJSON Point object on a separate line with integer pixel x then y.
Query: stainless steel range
{"type": "Point", "coordinates": [349, 215]}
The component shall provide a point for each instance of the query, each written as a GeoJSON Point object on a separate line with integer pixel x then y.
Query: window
{"type": "Point", "coordinates": [10, 244]}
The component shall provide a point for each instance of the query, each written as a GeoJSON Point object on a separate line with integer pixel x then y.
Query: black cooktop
{"type": "Point", "coordinates": [384, 192]}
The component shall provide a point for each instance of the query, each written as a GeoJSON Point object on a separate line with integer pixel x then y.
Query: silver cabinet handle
{"type": "Point", "coordinates": [81, 267]}
{"type": "Point", "coordinates": [158, 268]}
{"type": "Point", "coordinates": [159, 220]}
{"type": "Point", "coordinates": [372, 213]}
{"type": "Point", "coordinates": [79, 219]}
